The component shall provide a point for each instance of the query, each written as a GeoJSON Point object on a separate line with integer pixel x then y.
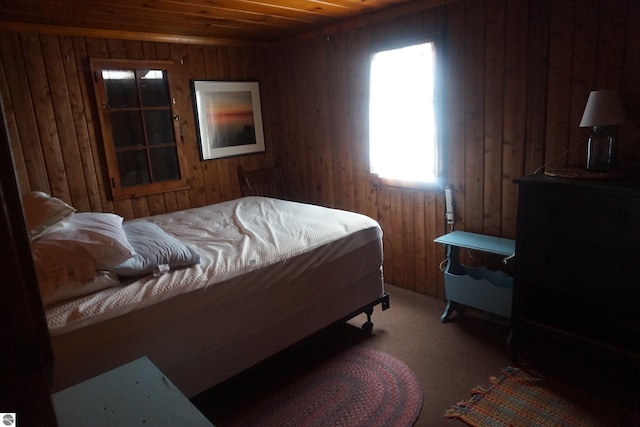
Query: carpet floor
{"type": "Point", "coordinates": [449, 359]}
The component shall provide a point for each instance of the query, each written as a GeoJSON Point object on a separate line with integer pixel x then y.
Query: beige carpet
{"type": "Point", "coordinates": [449, 359]}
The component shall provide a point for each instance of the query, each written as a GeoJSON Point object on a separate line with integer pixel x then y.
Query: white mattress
{"type": "Point", "coordinates": [232, 238]}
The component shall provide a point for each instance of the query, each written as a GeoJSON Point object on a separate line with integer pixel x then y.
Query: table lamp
{"type": "Point", "coordinates": [603, 113]}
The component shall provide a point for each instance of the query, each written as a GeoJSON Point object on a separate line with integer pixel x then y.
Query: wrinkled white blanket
{"type": "Point", "coordinates": [232, 238]}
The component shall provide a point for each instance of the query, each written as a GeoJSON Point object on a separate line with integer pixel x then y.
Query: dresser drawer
{"type": "Point", "coordinates": [582, 317]}
{"type": "Point", "coordinates": [608, 276]}
{"type": "Point", "coordinates": [579, 217]}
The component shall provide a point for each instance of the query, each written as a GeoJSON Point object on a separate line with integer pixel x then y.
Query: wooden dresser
{"type": "Point", "coordinates": [577, 269]}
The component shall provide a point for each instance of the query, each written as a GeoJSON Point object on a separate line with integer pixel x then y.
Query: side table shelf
{"type": "Point", "coordinates": [476, 287]}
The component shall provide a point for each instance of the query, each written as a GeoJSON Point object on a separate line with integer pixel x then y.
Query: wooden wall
{"type": "Point", "coordinates": [55, 131]}
{"type": "Point", "coordinates": [515, 78]}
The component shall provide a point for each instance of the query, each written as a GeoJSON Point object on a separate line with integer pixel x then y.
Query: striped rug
{"type": "Point", "coordinates": [518, 398]}
{"type": "Point", "coordinates": [357, 388]}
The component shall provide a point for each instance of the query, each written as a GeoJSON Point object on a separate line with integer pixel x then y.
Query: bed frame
{"type": "Point", "coordinates": [203, 337]}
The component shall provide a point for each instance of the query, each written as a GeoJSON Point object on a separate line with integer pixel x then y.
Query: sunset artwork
{"type": "Point", "coordinates": [229, 118]}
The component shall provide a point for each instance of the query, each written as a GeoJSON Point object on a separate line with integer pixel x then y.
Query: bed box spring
{"type": "Point", "coordinates": [212, 332]}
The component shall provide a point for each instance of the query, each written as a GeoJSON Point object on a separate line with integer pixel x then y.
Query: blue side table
{"type": "Point", "coordinates": [476, 287]}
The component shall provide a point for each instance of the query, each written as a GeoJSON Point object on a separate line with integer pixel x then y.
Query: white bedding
{"type": "Point", "coordinates": [232, 238]}
{"type": "Point", "coordinates": [270, 273]}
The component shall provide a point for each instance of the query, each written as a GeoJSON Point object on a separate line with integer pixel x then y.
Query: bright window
{"type": "Point", "coordinates": [403, 144]}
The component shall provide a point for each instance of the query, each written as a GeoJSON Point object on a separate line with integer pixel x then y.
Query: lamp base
{"type": "Point", "coordinates": [601, 150]}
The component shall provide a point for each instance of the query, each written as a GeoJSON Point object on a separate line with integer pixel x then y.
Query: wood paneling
{"type": "Point", "coordinates": [195, 21]}
{"type": "Point", "coordinates": [55, 129]}
{"type": "Point", "coordinates": [514, 80]}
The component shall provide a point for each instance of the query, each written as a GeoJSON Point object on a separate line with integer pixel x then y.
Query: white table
{"type": "Point", "coordinates": [135, 394]}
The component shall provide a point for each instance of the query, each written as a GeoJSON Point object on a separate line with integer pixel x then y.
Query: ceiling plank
{"type": "Point", "coordinates": [228, 22]}
{"type": "Point", "coordinates": [19, 27]}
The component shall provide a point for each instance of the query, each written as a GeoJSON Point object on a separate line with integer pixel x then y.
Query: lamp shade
{"type": "Point", "coordinates": [604, 108]}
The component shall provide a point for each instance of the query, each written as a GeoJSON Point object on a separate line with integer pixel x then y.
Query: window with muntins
{"type": "Point", "coordinates": [403, 137]}
{"type": "Point", "coordinates": [140, 128]}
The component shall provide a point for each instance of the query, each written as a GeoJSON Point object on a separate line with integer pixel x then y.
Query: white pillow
{"type": "Point", "coordinates": [100, 235]}
{"type": "Point", "coordinates": [154, 247]}
{"type": "Point", "coordinates": [42, 212]}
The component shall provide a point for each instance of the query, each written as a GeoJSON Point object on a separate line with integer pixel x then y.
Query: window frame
{"type": "Point", "coordinates": [440, 180]}
{"type": "Point", "coordinates": [119, 192]}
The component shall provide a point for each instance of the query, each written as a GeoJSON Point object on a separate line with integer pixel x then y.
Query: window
{"type": "Point", "coordinates": [403, 143]}
{"type": "Point", "coordinates": [140, 131]}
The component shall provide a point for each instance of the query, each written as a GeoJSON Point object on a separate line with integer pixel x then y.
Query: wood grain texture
{"type": "Point", "coordinates": [514, 79]}
{"type": "Point", "coordinates": [505, 112]}
{"type": "Point", "coordinates": [514, 116]}
{"type": "Point", "coordinates": [474, 136]}
{"type": "Point", "coordinates": [537, 84]}
{"type": "Point", "coordinates": [56, 132]}
{"type": "Point", "coordinates": [494, 116]}
{"type": "Point", "coordinates": [629, 133]}
{"type": "Point", "coordinates": [198, 21]}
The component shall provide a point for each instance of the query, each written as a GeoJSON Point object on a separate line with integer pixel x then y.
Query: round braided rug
{"type": "Point", "coordinates": [359, 387]}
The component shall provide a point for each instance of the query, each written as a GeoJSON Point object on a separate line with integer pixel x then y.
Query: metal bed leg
{"type": "Point", "coordinates": [368, 325]}
{"type": "Point", "coordinates": [384, 303]}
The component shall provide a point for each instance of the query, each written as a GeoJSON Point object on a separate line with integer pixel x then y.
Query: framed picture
{"type": "Point", "coordinates": [229, 118]}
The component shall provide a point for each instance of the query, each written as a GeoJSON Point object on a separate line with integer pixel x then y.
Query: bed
{"type": "Point", "coordinates": [255, 276]}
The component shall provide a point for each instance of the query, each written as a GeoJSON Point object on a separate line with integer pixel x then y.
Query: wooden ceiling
{"type": "Point", "coordinates": [196, 21]}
